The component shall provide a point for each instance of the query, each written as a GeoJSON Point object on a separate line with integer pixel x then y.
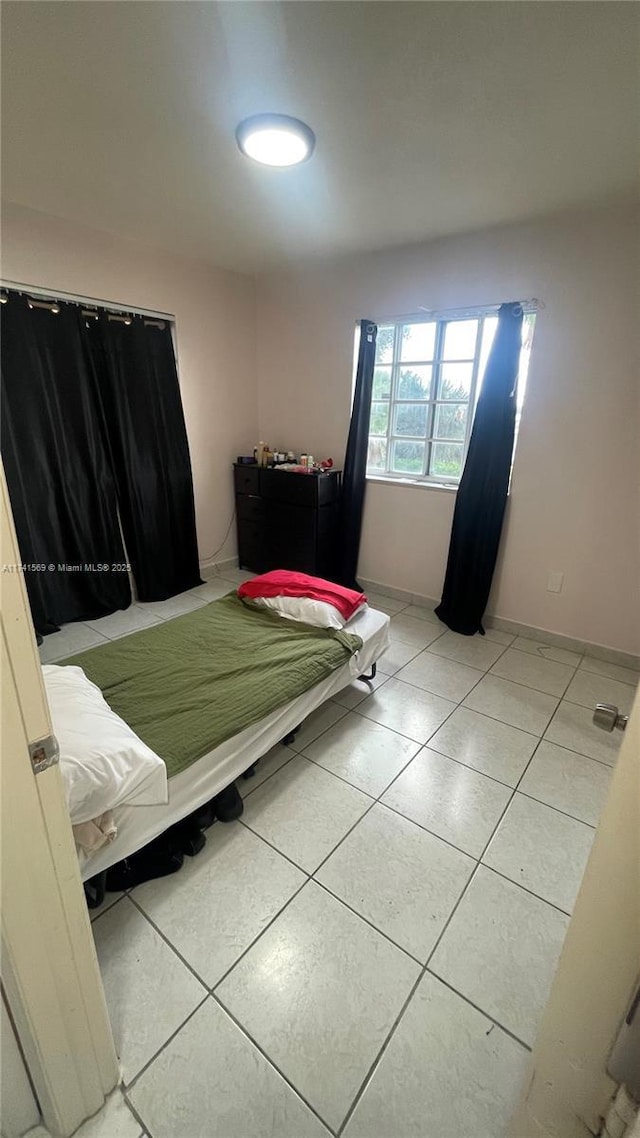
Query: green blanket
{"type": "Point", "coordinates": [186, 685]}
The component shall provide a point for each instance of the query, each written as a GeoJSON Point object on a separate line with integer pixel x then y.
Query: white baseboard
{"type": "Point", "coordinates": [559, 640]}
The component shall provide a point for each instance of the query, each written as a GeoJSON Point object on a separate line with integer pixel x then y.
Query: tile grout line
{"type": "Point", "coordinates": [458, 704]}
{"type": "Point", "coordinates": [487, 844]}
{"type": "Point", "coordinates": [366, 921]}
{"type": "Point", "coordinates": [200, 979]}
{"type": "Point", "coordinates": [499, 873]}
{"type": "Point", "coordinates": [166, 940]}
{"type": "Point", "coordinates": [467, 767]}
{"type": "Point", "coordinates": [426, 830]}
{"type": "Point", "coordinates": [484, 674]}
{"type": "Point", "coordinates": [129, 1086]}
{"type": "Point", "coordinates": [506, 1030]}
{"type": "Point", "coordinates": [210, 994]}
{"type": "Point", "coordinates": [268, 777]}
{"type": "Point", "coordinates": [412, 740]}
{"type": "Point", "coordinates": [271, 846]}
{"type": "Point", "coordinates": [354, 785]}
{"type": "Point", "coordinates": [309, 877]}
{"type": "Point", "coordinates": [479, 860]}
{"type": "Point", "coordinates": [270, 1061]}
{"type": "Point", "coordinates": [377, 800]}
{"type": "Point", "coordinates": [138, 1117]}
{"type": "Point", "coordinates": [92, 920]}
{"type": "Point", "coordinates": [378, 1058]}
{"type": "Point", "coordinates": [258, 935]}
{"type": "Point", "coordinates": [344, 710]}
{"type": "Point", "coordinates": [423, 967]}
{"type": "Point", "coordinates": [573, 817]}
{"type": "Point", "coordinates": [438, 941]}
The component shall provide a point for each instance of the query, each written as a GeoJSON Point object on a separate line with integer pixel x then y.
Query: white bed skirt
{"type": "Point", "coordinates": [205, 778]}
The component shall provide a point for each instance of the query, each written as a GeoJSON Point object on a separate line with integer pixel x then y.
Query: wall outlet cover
{"type": "Point", "coordinates": [554, 581]}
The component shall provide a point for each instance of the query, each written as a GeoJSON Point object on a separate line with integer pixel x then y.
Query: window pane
{"type": "Point", "coordinates": [418, 341]}
{"type": "Point", "coordinates": [455, 381]}
{"type": "Point", "coordinates": [451, 421]}
{"type": "Point", "coordinates": [415, 382]}
{"type": "Point", "coordinates": [379, 424]}
{"type": "Point", "coordinates": [384, 344]}
{"type": "Point", "coordinates": [411, 419]}
{"type": "Point", "coordinates": [488, 332]}
{"type": "Point", "coordinates": [381, 383]}
{"type": "Point", "coordinates": [377, 456]}
{"type": "Point", "coordinates": [528, 327]}
{"type": "Point", "coordinates": [446, 459]}
{"type": "Point", "coordinates": [460, 340]}
{"type": "Point", "coordinates": [408, 458]}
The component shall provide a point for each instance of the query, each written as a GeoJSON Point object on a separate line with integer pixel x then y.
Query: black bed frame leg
{"type": "Point", "coordinates": [372, 673]}
{"type": "Point", "coordinates": [250, 771]}
{"type": "Point", "coordinates": [288, 739]}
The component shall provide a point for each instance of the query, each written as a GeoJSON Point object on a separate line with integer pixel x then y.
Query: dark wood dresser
{"type": "Point", "coordinates": [287, 520]}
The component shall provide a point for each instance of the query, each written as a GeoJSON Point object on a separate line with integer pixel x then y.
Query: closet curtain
{"type": "Point", "coordinates": [482, 495]}
{"type": "Point", "coordinates": [141, 403]}
{"type": "Point", "coordinates": [58, 468]}
{"type": "Point", "coordinates": [354, 478]}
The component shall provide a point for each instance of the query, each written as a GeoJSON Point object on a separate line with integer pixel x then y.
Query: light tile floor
{"type": "Point", "coordinates": [368, 950]}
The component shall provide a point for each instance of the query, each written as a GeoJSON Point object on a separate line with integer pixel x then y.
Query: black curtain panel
{"type": "Point", "coordinates": [145, 423]}
{"type": "Point", "coordinates": [482, 494]}
{"type": "Point", "coordinates": [57, 466]}
{"type": "Point", "coordinates": [355, 464]}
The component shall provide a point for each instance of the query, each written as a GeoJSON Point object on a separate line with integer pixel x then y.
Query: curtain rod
{"type": "Point", "coordinates": [528, 306]}
{"type": "Point", "coordinates": [91, 301]}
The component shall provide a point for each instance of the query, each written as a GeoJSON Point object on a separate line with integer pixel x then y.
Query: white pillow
{"type": "Point", "coordinates": [103, 762]}
{"type": "Point", "coordinates": [303, 609]}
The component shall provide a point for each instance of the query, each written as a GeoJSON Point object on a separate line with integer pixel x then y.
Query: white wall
{"type": "Point", "coordinates": [574, 502]}
{"type": "Point", "coordinates": [215, 321]}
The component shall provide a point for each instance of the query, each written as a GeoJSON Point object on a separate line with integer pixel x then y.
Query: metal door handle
{"type": "Point", "coordinates": [607, 716]}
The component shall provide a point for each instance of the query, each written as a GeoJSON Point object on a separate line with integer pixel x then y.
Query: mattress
{"type": "Point", "coordinates": [210, 774]}
{"type": "Point", "coordinates": [186, 685]}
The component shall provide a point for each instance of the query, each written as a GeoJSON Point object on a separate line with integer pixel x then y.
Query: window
{"type": "Point", "coordinates": [427, 378]}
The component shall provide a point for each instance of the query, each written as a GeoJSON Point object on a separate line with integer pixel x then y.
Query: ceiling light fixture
{"type": "Point", "coordinates": [275, 140]}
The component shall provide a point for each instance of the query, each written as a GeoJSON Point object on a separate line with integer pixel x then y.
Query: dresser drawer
{"type": "Point", "coordinates": [252, 553]}
{"type": "Point", "coordinates": [286, 486]}
{"type": "Point", "coordinates": [250, 508]}
{"type": "Point", "coordinates": [246, 479]}
{"type": "Point", "coordinates": [309, 490]}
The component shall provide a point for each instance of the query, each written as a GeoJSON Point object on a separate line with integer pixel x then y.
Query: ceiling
{"type": "Point", "coordinates": [431, 118]}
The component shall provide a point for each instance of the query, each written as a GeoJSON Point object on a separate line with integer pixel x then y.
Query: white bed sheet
{"type": "Point", "coordinates": [205, 778]}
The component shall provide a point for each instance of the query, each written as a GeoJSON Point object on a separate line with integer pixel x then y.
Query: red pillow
{"type": "Point", "coordinates": [287, 583]}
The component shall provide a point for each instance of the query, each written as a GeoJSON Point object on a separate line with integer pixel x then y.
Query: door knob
{"type": "Point", "coordinates": [607, 716]}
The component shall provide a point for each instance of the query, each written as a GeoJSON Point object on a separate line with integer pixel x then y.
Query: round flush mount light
{"type": "Point", "coordinates": [275, 140]}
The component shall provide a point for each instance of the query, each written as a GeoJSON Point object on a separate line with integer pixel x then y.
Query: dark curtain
{"type": "Point", "coordinates": [145, 423]}
{"type": "Point", "coordinates": [482, 494]}
{"type": "Point", "coordinates": [355, 463]}
{"type": "Point", "coordinates": [57, 466]}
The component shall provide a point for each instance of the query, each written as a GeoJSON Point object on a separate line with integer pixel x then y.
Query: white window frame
{"type": "Point", "coordinates": [440, 319]}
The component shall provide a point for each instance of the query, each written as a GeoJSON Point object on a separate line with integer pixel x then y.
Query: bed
{"type": "Point", "coordinates": [218, 766]}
